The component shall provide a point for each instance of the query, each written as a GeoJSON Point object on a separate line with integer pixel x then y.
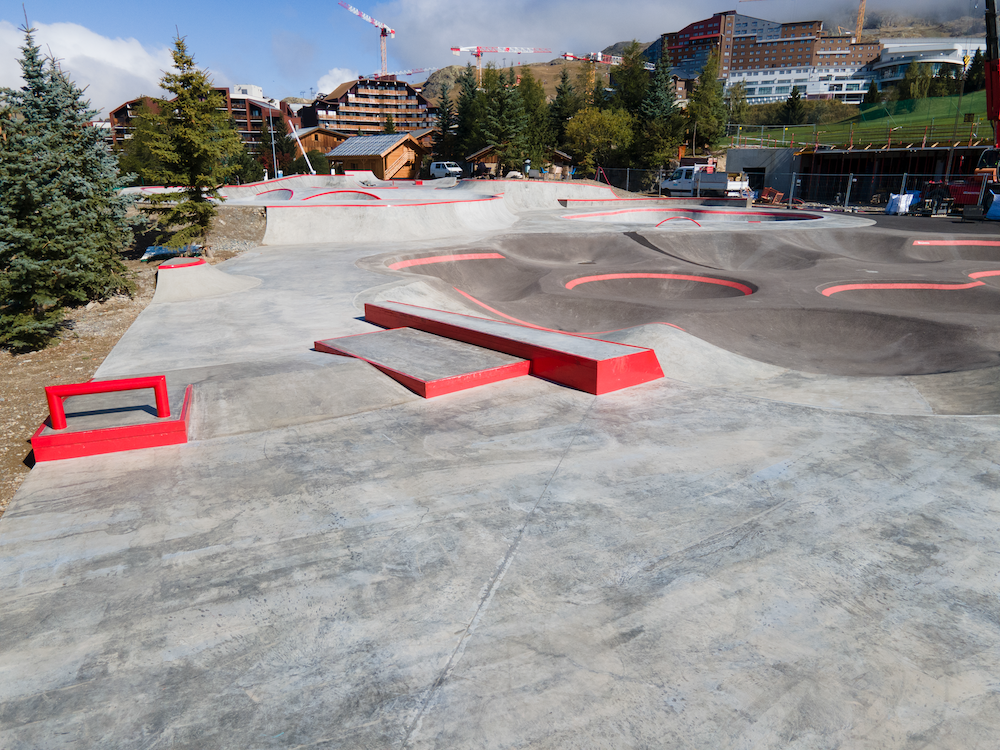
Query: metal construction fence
{"type": "Point", "coordinates": [827, 188]}
{"type": "Point", "coordinates": [866, 189]}
{"type": "Point", "coordinates": [633, 180]}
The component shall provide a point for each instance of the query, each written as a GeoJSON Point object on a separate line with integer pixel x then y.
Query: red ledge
{"type": "Point", "coordinates": [57, 446]}
{"type": "Point", "coordinates": [635, 366]}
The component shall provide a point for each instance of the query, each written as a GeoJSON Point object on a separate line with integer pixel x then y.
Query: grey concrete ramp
{"type": "Point", "coordinates": [380, 222]}
{"type": "Point", "coordinates": [428, 365]}
{"type": "Point", "coordinates": [186, 279]}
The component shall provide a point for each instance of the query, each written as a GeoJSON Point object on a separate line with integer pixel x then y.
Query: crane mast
{"type": "Point", "coordinates": [385, 31]}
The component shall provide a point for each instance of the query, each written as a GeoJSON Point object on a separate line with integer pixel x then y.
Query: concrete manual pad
{"type": "Point", "coordinates": [427, 364]}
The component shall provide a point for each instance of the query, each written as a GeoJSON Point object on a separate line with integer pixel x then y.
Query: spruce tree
{"type": "Point", "coordinates": [566, 104]}
{"type": "Point", "coordinates": [660, 120]}
{"type": "Point", "coordinates": [793, 112]}
{"type": "Point", "coordinates": [975, 76]}
{"type": "Point", "coordinates": [444, 141]}
{"type": "Point", "coordinates": [469, 114]}
{"type": "Point", "coordinates": [539, 138]}
{"type": "Point", "coordinates": [192, 141]}
{"type": "Point", "coordinates": [630, 80]}
{"type": "Point", "coordinates": [62, 221]}
{"type": "Point", "coordinates": [390, 124]}
{"type": "Point", "coordinates": [506, 120]}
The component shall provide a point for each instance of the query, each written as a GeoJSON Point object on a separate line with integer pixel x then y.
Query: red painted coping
{"type": "Point", "coordinates": [177, 263]}
{"type": "Point", "coordinates": [55, 394]}
{"type": "Point", "coordinates": [423, 386]}
{"type": "Point", "coordinates": [341, 192]}
{"type": "Point", "coordinates": [972, 243]}
{"type": "Point", "coordinates": [831, 290]}
{"type": "Point", "coordinates": [68, 444]}
{"type": "Point", "coordinates": [444, 259]}
{"type": "Point", "coordinates": [675, 218]}
{"type": "Point", "coordinates": [678, 276]}
{"type": "Point", "coordinates": [586, 364]}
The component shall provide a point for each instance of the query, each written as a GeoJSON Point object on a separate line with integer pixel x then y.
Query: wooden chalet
{"type": "Point", "coordinates": [389, 155]}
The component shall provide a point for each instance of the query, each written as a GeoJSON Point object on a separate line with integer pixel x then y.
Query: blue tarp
{"type": "Point", "coordinates": [994, 212]}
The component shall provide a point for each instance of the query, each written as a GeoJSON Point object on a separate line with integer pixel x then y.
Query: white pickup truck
{"type": "Point", "coordinates": [697, 180]}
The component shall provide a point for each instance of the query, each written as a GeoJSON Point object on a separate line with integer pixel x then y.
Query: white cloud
{"type": "Point", "coordinates": [334, 78]}
{"type": "Point", "coordinates": [111, 71]}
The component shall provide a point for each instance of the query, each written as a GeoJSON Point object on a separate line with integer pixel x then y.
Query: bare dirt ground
{"type": "Point", "coordinates": [90, 334]}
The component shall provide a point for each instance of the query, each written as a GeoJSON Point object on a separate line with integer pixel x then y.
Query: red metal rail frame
{"type": "Point", "coordinates": [58, 444]}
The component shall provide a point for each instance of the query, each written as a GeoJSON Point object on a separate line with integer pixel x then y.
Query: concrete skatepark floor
{"type": "Point", "coordinates": [795, 550]}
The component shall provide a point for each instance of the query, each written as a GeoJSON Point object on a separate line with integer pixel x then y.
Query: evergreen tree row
{"type": "Point", "coordinates": [63, 222]}
{"type": "Point", "coordinates": [633, 123]}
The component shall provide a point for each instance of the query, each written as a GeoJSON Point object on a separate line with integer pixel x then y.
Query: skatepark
{"type": "Point", "coordinates": [521, 464]}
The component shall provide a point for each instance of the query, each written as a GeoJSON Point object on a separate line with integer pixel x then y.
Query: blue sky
{"type": "Point", "coordinates": [119, 50]}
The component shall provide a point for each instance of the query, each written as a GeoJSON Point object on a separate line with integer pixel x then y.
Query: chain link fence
{"type": "Point", "coordinates": [633, 180]}
{"type": "Point", "coordinates": [875, 190]}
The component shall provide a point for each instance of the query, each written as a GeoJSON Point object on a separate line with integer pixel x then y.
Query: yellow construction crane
{"type": "Point", "coordinates": [857, 29]}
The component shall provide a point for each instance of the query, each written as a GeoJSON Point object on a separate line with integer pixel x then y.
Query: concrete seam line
{"type": "Point", "coordinates": [492, 586]}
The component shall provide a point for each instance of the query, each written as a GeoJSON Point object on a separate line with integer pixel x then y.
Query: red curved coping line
{"type": "Point", "coordinates": [981, 274]}
{"type": "Point", "coordinates": [672, 218]}
{"type": "Point", "coordinates": [543, 328]}
{"type": "Point", "coordinates": [679, 276]}
{"type": "Point", "coordinates": [793, 216]}
{"type": "Point", "coordinates": [983, 243]}
{"type": "Point", "coordinates": [898, 285]}
{"type": "Point", "coordinates": [382, 204]}
{"type": "Point", "coordinates": [165, 267]}
{"type": "Point", "coordinates": [445, 259]}
{"type": "Point", "coordinates": [351, 192]}
{"type": "Point", "coordinates": [278, 190]}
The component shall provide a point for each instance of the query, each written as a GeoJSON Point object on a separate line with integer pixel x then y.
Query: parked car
{"type": "Point", "coordinates": [445, 169]}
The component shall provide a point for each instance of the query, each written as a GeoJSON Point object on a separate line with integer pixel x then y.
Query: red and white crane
{"type": "Point", "coordinates": [386, 31]}
{"type": "Point", "coordinates": [478, 53]}
{"type": "Point", "coordinates": [410, 72]}
{"type": "Point", "coordinates": [600, 57]}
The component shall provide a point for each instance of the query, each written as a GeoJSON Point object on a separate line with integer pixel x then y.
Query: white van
{"type": "Point", "coordinates": [445, 169]}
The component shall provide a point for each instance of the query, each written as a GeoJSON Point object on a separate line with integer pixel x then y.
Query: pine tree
{"type": "Point", "coordinates": [661, 121]}
{"type": "Point", "coordinates": [62, 221]}
{"type": "Point", "coordinates": [793, 112]}
{"type": "Point", "coordinates": [539, 138]}
{"type": "Point", "coordinates": [975, 76]}
{"type": "Point", "coordinates": [444, 141]}
{"type": "Point", "coordinates": [390, 124]}
{"type": "Point", "coordinates": [630, 80]}
{"type": "Point", "coordinates": [872, 96]}
{"type": "Point", "coordinates": [191, 140]}
{"type": "Point", "coordinates": [706, 110]}
{"type": "Point", "coordinates": [661, 96]}
{"type": "Point", "coordinates": [566, 104]}
{"type": "Point", "coordinates": [469, 114]}
{"type": "Point", "coordinates": [506, 120]}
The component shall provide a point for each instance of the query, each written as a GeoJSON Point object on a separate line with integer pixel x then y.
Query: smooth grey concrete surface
{"type": "Point", "coordinates": [739, 555]}
{"type": "Point", "coordinates": [421, 355]}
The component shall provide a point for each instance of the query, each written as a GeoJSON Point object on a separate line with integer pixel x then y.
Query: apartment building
{"type": "Point", "coordinates": [363, 106]}
{"type": "Point", "coordinates": [771, 58]}
{"type": "Point", "coordinates": [245, 103]}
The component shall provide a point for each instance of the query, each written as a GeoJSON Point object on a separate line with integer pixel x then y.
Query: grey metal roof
{"type": "Point", "coordinates": [367, 145]}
